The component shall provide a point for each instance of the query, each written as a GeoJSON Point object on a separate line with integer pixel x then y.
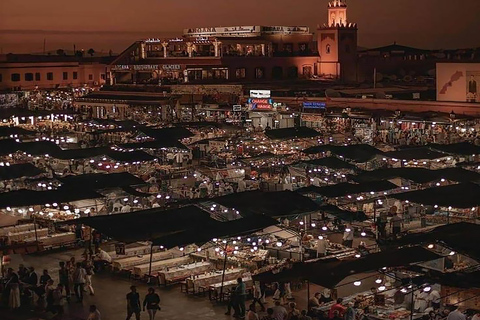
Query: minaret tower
{"type": "Point", "coordinates": [337, 43]}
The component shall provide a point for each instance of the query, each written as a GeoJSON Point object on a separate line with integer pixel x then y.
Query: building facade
{"type": "Point", "coordinates": [243, 53]}
{"type": "Point", "coordinates": [27, 72]}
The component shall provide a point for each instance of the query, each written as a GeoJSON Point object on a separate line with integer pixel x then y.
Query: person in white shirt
{"type": "Point", "coordinates": [456, 314]}
{"type": "Point", "coordinates": [94, 314]}
{"type": "Point", "coordinates": [102, 258]}
{"type": "Point", "coordinates": [348, 236]}
{"type": "Point", "coordinates": [279, 312]}
{"type": "Point", "coordinates": [434, 298]}
{"type": "Point", "coordinates": [79, 278]}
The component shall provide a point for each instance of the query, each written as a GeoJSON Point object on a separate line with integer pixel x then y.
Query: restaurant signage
{"type": "Point", "coordinates": [171, 67]}
{"type": "Point", "coordinates": [260, 101]}
{"type": "Point", "coordinates": [244, 31]}
{"type": "Point", "coordinates": [260, 94]}
{"type": "Point", "coordinates": [145, 67]}
{"type": "Point", "coordinates": [285, 29]}
{"type": "Point", "coordinates": [119, 67]}
{"type": "Point", "coordinates": [314, 105]}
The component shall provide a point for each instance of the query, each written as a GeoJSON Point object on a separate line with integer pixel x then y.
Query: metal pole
{"type": "Point", "coordinates": [150, 263]}
{"type": "Point", "coordinates": [411, 302]}
{"type": "Point", "coordinates": [224, 267]}
{"type": "Point", "coordinates": [35, 227]}
{"type": "Point", "coordinates": [308, 291]}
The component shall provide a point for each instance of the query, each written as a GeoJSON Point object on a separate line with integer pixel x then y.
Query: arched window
{"type": "Point", "coordinates": [327, 49]}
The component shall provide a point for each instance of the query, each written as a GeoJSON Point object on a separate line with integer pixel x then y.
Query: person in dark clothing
{"type": "Point", "coordinates": [151, 303]}
{"type": "Point", "coordinates": [232, 303]}
{"type": "Point", "coordinates": [45, 277]}
{"type": "Point", "coordinates": [133, 303]}
{"type": "Point", "coordinates": [63, 279]}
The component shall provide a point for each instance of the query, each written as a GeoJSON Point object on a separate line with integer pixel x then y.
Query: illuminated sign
{"type": "Point", "coordinates": [120, 67]}
{"type": "Point", "coordinates": [284, 29]}
{"type": "Point", "coordinates": [171, 67]}
{"type": "Point", "coordinates": [243, 31]}
{"type": "Point", "coordinates": [237, 107]}
{"type": "Point", "coordinates": [145, 67]}
{"type": "Point", "coordinates": [314, 105]}
{"type": "Point", "coordinates": [260, 101]}
{"type": "Point", "coordinates": [262, 106]}
{"type": "Point", "coordinates": [260, 93]}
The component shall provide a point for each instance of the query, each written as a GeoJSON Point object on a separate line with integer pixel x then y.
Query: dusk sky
{"type": "Point", "coordinates": [114, 24]}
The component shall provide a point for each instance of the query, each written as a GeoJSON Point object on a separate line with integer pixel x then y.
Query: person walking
{"type": "Point", "coordinates": [88, 278]}
{"type": "Point", "coordinates": [79, 279]}
{"type": "Point", "coordinates": [58, 299]}
{"type": "Point", "coordinates": [151, 303]}
{"type": "Point", "coordinates": [258, 295]}
{"type": "Point", "coordinates": [240, 293]}
{"type": "Point", "coordinates": [63, 279]}
{"type": "Point", "coordinates": [133, 303]}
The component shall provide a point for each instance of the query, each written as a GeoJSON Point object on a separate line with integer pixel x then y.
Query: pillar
{"type": "Point", "coordinates": [189, 49]}
{"type": "Point", "coordinates": [263, 49]}
{"type": "Point", "coordinates": [164, 45]}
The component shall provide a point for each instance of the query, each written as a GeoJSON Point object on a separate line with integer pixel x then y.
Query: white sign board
{"type": "Point", "coordinates": [262, 94]}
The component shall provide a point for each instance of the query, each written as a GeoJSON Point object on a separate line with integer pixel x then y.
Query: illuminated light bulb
{"type": "Point", "coordinates": [348, 229]}
{"type": "Point", "coordinates": [65, 207]}
{"type": "Point", "coordinates": [181, 249]}
{"type": "Point", "coordinates": [279, 244]}
{"type": "Point", "coordinates": [55, 204]}
{"type": "Point", "coordinates": [320, 237]}
{"type": "Point", "coordinates": [125, 199]}
{"type": "Point", "coordinates": [301, 223]}
{"type": "Point", "coordinates": [199, 249]}
{"type": "Point", "coordinates": [235, 252]}
{"type": "Point", "coordinates": [403, 290]}
{"type": "Point", "coordinates": [430, 246]}
{"type": "Point", "coordinates": [357, 283]}
{"type": "Point", "coordinates": [427, 289]}
{"type": "Point", "coordinates": [452, 253]}
{"type": "Point", "coordinates": [236, 247]}
{"type": "Point", "coordinates": [217, 249]}
{"type": "Point", "coordinates": [324, 228]}
{"type": "Point", "coordinates": [234, 242]}
{"type": "Point", "coordinates": [378, 280]}
{"type": "Point", "coordinates": [363, 234]}
{"type": "Point", "coordinates": [214, 239]}
{"type": "Point", "coordinates": [159, 196]}
{"type": "Point", "coordinates": [382, 288]}
{"type": "Point", "coordinates": [267, 241]}
{"type": "Point", "coordinates": [357, 255]}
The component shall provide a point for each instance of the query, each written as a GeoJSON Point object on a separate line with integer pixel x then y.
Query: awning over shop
{"type": "Point", "coordinates": [419, 175]}
{"type": "Point", "coordinates": [291, 133]}
{"type": "Point", "coordinates": [346, 188]}
{"type": "Point", "coordinates": [172, 133]}
{"type": "Point", "coordinates": [330, 273]}
{"type": "Point", "coordinates": [356, 152]}
{"type": "Point", "coordinates": [461, 148]}
{"type": "Point", "coordinates": [8, 131]}
{"type": "Point", "coordinates": [82, 153]}
{"type": "Point", "coordinates": [329, 162]}
{"type": "Point", "coordinates": [97, 181]}
{"type": "Point", "coordinates": [422, 153]}
{"type": "Point", "coordinates": [23, 198]}
{"type": "Point", "coordinates": [132, 156]}
{"type": "Point", "coordinates": [16, 171]}
{"type": "Point", "coordinates": [216, 229]}
{"type": "Point", "coordinates": [462, 237]}
{"type": "Point", "coordinates": [273, 204]}
{"type": "Point", "coordinates": [462, 195]}
{"type": "Point", "coordinates": [155, 144]}
{"type": "Point", "coordinates": [342, 214]}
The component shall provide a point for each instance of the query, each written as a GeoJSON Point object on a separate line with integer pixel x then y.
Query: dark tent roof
{"type": "Point", "coordinates": [261, 156]}
{"type": "Point", "coordinates": [329, 273]}
{"type": "Point", "coordinates": [137, 155]}
{"type": "Point", "coordinates": [330, 162]}
{"type": "Point", "coordinates": [155, 144]}
{"type": "Point", "coordinates": [292, 133]}
{"type": "Point", "coordinates": [356, 152]}
{"type": "Point", "coordinates": [7, 131]}
{"type": "Point", "coordinates": [135, 193]}
{"type": "Point", "coordinates": [462, 195]}
{"type": "Point", "coordinates": [18, 171]}
{"type": "Point", "coordinates": [22, 198]}
{"type": "Point", "coordinates": [96, 181]}
{"type": "Point", "coordinates": [39, 148]}
{"type": "Point", "coordinates": [20, 112]}
{"type": "Point", "coordinates": [346, 188]}
{"type": "Point", "coordinates": [463, 148]}
{"type": "Point", "coordinates": [342, 214]}
{"type": "Point", "coordinates": [216, 229]}
{"type": "Point", "coordinates": [419, 175]}
{"type": "Point", "coordinates": [172, 133]}
{"type": "Point", "coordinates": [273, 204]}
{"type": "Point", "coordinates": [146, 224]}
{"type": "Point", "coordinates": [8, 146]}
{"type": "Point", "coordinates": [462, 237]}
{"type": "Point", "coordinates": [82, 153]}
{"type": "Point", "coordinates": [117, 123]}
{"type": "Point", "coordinates": [415, 154]}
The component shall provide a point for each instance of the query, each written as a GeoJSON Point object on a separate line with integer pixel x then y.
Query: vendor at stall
{"type": "Point", "coordinates": [102, 258]}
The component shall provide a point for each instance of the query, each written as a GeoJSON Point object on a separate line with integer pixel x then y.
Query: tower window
{"type": "Point", "coordinates": [327, 49]}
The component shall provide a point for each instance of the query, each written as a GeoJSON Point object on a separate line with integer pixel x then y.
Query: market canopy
{"type": "Point", "coordinates": [172, 133]}
{"type": "Point", "coordinates": [345, 215]}
{"type": "Point", "coordinates": [97, 181]}
{"type": "Point", "coordinates": [419, 175]}
{"type": "Point", "coordinates": [461, 148]}
{"type": "Point", "coordinates": [291, 133]}
{"type": "Point", "coordinates": [83, 153]}
{"type": "Point", "coordinates": [329, 162]}
{"type": "Point", "coordinates": [216, 229]}
{"type": "Point", "coordinates": [9, 131]}
{"type": "Point", "coordinates": [329, 274]}
{"type": "Point", "coordinates": [23, 198]}
{"type": "Point", "coordinates": [132, 156]}
{"type": "Point", "coordinates": [154, 144]}
{"type": "Point", "coordinates": [422, 153]}
{"type": "Point", "coordinates": [359, 153]}
{"type": "Point", "coordinates": [461, 237]}
{"type": "Point", "coordinates": [146, 224]}
{"type": "Point", "coordinates": [346, 188]}
{"type": "Point", "coordinates": [16, 171]}
{"type": "Point", "coordinates": [462, 195]}
{"type": "Point", "coordinates": [273, 204]}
